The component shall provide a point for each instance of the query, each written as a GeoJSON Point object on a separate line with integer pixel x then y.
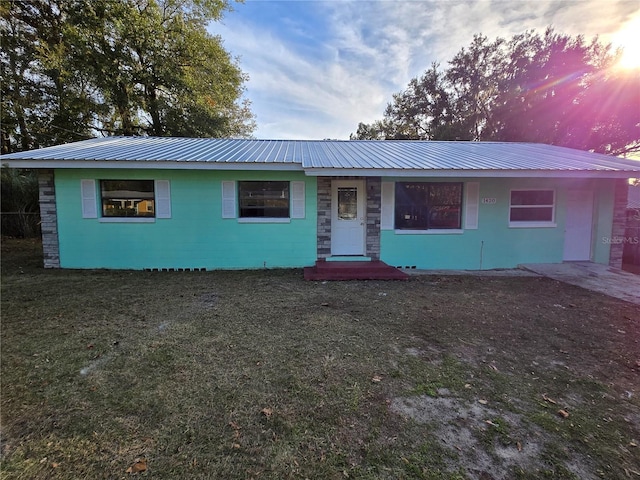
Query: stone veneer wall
{"type": "Point", "coordinates": [324, 217]}
{"type": "Point", "coordinates": [373, 207]}
{"type": "Point", "coordinates": [619, 222]}
{"type": "Point", "coordinates": [48, 219]}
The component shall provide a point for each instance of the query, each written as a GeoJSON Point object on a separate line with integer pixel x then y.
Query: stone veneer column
{"type": "Point", "coordinates": [619, 222]}
{"type": "Point", "coordinates": [324, 217]}
{"type": "Point", "coordinates": [373, 208]}
{"type": "Point", "coordinates": [49, 219]}
{"type": "Point", "coordinates": [374, 199]}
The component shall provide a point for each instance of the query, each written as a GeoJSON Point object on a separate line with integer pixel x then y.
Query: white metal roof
{"type": "Point", "coordinates": [328, 157]}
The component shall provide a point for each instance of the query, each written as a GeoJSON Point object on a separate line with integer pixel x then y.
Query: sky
{"type": "Point", "coordinates": [318, 68]}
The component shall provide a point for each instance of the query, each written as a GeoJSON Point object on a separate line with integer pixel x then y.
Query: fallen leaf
{"type": "Point", "coordinates": [235, 445]}
{"type": "Point", "coordinates": [482, 401]}
{"type": "Point", "coordinates": [267, 412]}
{"type": "Point", "coordinates": [563, 413]}
{"type": "Point", "coordinates": [376, 378]}
{"type": "Point", "coordinates": [467, 385]}
{"type": "Point", "coordinates": [140, 465]}
{"type": "Point", "coordinates": [633, 444]}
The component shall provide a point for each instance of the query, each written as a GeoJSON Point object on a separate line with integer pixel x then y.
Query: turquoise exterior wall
{"type": "Point", "coordinates": [494, 244]}
{"type": "Point", "coordinates": [196, 235]}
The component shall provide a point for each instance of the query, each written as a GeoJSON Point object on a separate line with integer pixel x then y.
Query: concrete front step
{"type": "Point", "coordinates": [373, 270]}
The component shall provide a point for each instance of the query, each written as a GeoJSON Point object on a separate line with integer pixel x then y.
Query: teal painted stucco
{"type": "Point", "coordinates": [196, 235]}
{"type": "Point", "coordinates": [494, 244]}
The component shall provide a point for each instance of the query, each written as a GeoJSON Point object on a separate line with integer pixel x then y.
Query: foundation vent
{"type": "Point", "coordinates": [197, 269]}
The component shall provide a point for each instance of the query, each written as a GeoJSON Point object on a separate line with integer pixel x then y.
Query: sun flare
{"type": "Point", "coordinates": [628, 38]}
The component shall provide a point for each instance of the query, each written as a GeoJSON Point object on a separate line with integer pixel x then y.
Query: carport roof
{"type": "Point", "coordinates": [328, 157]}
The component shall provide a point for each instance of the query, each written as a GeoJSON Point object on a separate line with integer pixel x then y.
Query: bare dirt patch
{"type": "Point", "coordinates": [263, 375]}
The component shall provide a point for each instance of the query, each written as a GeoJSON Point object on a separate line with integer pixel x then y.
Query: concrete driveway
{"type": "Point", "coordinates": [592, 276]}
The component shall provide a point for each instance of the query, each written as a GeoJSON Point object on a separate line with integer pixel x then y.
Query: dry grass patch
{"type": "Point", "coordinates": [259, 374]}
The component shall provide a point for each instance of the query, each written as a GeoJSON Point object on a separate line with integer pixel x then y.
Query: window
{"type": "Point", "coordinates": [263, 199]}
{"type": "Point", "coordinates": [347, 203]}
{"type": "Point", "coordinates": [426, 206]}
{"type": "Point", "coordinates": [531, 207]}
{"type": "Point", "coordinates": [127, 198]}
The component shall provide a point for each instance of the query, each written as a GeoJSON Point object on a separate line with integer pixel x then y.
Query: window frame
{"type": "Point", "coordinates": [91, 202]}
{"type": "Point", "coordinates": [533, 223]}
{"type": "Point", "coordinates": [148, 196]}
{"type": "Point", "coordinates": [230, 208]}
{"type": "Point", "coordinates": [264, 208]}
{"type": "Point", "coordinates": [428, 229]}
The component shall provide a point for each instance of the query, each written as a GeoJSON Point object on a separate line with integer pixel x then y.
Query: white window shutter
{"type": "Point", "coordinates": [386, 207]}
{"type": "Point", "coordinates": [89, 200]}
{"type": "Point", "coordinates": [297, 200]}
{"type": "Point", "coordinates": [228, 199]}
{"type": "Point", "coordinates": [472, 205]}
{"type": "Point", "coordinates": [163, 199]}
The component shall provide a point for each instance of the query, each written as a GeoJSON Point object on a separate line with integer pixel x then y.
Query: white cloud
{"type": "Point", "coordinates": [369, 50]}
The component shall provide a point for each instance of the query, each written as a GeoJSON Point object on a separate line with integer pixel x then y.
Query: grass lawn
{"type": "Point", "coordinates": [259, 374]}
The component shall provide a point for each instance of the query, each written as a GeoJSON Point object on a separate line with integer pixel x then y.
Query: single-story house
{"type": "Point", "coordinates": [197, 203]}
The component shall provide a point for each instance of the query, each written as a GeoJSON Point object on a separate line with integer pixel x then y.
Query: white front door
{"type": "Point", "coordinates": [578, 225]}
{"type": "Point", "coordinates": [348, 217]}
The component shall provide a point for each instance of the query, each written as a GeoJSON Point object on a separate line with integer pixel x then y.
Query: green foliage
{"type": "Point", "coordinates": [75, 68]}
{"type": "Point", "coordinates": [20, 212]}
{"type": "Point", "coordinates": [549, 88]}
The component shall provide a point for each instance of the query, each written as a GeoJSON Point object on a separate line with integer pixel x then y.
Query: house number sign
{"type": "Point", "coordinates": [488, 201]}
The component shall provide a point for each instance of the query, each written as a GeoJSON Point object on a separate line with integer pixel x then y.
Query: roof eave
{"type": "Point", "coordinates": [315, 172]}
{"type": "Point", "coordinates": [150, 165]}
{"type": "Point", "coordinates": [471, 173]}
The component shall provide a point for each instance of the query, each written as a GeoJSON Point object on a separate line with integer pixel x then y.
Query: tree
{"type": "Point", "coordinates": [19, 202]}
{"type": "Point", "coordinates": [117, 67]}
{"type": "Point", "coordinates": [472, 78]}
{"type": "Point", "coordinates": [550, 88]}
{"type": "Point", "coordinates": [546, 79]}
{"type": "Point", "coordinates": [423, 110]}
